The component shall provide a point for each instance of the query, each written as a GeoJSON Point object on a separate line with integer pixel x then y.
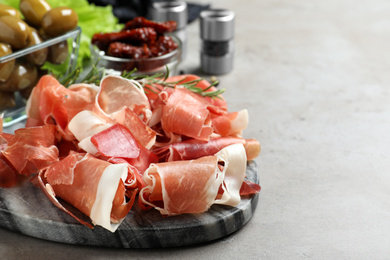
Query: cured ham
{"type": "Point", "coordinates": [84, 125]}
{"type": "Point", "coordinates": [171, 191]}
{"type": "Point", "coordinates": [183, 114]}
{"type": "Point", "coordinates": [8, 175]}
{"type": "Point", "coordinates": [141, 131]}
{"type": "Point", "coordinates": [32, 149]}
{"type": "Point", "coordinates": [192, 186]}
{"type": "Point", "coordinates": [179, 80]}
{"type": "Point", "coordinates": [231, 124]}
{"type": "Point", "coordinates": [126, 93]}
{"type": "Point", "coordinates": [52, 103]}
{"type": "Point", "coordinates": [192, 148]}
{"type": "Point", "coordinates": [95, 187]}
{"type": "Point", "coordinates": [94, 150]}
{"type": "Point", "coordinates": [118, 142]}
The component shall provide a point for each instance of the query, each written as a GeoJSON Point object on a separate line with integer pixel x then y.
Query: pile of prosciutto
{"type": "Point", "coordinates": [101, 149]}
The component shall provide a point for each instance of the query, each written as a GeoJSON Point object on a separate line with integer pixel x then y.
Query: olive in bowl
{"type": "Point", "coordinates": [21, 69]}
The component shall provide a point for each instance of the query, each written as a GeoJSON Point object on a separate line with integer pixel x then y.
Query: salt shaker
{"type": "Point", "coordinates": [175, 11]}
{"type": "Point", "coordinates": [217, 35]}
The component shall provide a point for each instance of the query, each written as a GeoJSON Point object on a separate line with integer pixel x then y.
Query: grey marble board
{"type": "Point", "coordinates": [25, 209]}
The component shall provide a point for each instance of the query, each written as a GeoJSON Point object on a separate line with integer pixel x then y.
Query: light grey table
{"type": "Point", "coordinates": [315, 78]}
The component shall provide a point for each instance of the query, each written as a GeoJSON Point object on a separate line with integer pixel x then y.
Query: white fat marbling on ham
{"type": "Point", "coordinates": [126, 93]}
{"type": "Point", "coordinates": [87, 123]}
{"type": "Point", "coordinates": [240, 122]}
{"type": "Point", "coordinates": [236, 159]}
{"type": "Point", "coordinates": [107, 187]}
{"type": "Point", "coordinates": [84, 125]}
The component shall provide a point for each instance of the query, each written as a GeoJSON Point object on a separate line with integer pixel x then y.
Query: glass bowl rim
{"type": "Point", "coordinates": [47, 43]}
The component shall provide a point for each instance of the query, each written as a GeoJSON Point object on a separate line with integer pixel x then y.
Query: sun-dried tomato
{"type": "Point", "coordinates": [160, 27]}
{"type": "Point", "coordinates": [136, 36]}
{"type": "Point", "coordinates": [140, 39]}
{"type": "Point", "coordinates": [123, 50]}
{"type": "Point", "coordinates": [163, 45]}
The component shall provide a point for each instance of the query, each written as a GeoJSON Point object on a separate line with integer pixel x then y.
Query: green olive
{"type": "Point", "coordinates": [14, 31]}
{"type": "Point", "coordinates": [6, 67]}
{"type": "Point", "coordinates": [25, 93]}
{"type": "Point", "coordinates": [40, 56]}
{"type": "Point", "coordinates": [8, 10]}
{"type": "Point", "coordinates": [34, 10]}
{"type": "Point", "coordinates": [23, 76]}
{"type": "Point", "coordinates": [58, 53]}
{"type": "Point", "coordinates": [59, 20]}
{"type": "Point", "coordinates": [7, 100]}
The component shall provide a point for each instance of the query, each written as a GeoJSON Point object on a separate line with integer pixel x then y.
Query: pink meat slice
{"type": "Point", "coordinates": [52, 103]}
{"type": "Point", "coordinates": [32, 149]}
{"type": "Point", "coordinates": [193, 148]}
{"type": "Point", "coordinates": [186, 115]}
{"type": "Point", "coordinates": [182, 186]}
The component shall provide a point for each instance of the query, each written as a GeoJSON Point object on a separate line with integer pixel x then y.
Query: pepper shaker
{"type": "Point", "coordinates": [217, 35]}
{"type": "Point", "coordinates": [175, 11]}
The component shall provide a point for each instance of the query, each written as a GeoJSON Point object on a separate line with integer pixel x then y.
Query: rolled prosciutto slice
{"type": "Point", "coordinates": [185, 114]}
{"type": "Point", "coordinates": [93, 186]}
{"type": "Point", "coordinates": [192, 186]}
{"type": "Point", "coordinates": [193, 148]}
{"type": "Point", "coordinates": [52, 103]}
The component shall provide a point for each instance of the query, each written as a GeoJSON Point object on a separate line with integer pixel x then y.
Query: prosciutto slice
{"type": "Point", "coordinates": [8, 175]}
{"type": "Point", "coordinates": [193, 148]}
{"type": "Point", "coordinates": [52, 103]}
{"type": "Point", "coordinates": [126, 93]}
{"type": "Point", "coordinates": [32, 149]}
{"type": "Point", "coordinates": [192, 186]}
{"type": "Point", "coordinates": [183, 114]}
{"type": "Point", "coordinates": [118, 142]}
{"type": "Point", "coordinates": [84, 125]}
{"type": "Point", "coordinates": [179, 80]}
{"type": "Point", "coordinates": [231, 124]}
{"type": "Point", "coordinates": [142, 132]}
{"type": "Point", "coordinates": [93, 186]}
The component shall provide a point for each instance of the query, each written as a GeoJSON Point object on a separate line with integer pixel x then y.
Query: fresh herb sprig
{"type": "Point", "coordinates": [146, 81]}
{"type": "Point", "coordinates": [160, 79]}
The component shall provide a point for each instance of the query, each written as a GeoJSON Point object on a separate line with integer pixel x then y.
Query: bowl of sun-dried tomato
{"type": "Point", "coordinates": [142, 44]}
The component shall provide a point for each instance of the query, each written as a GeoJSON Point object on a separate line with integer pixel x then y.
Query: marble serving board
{"type": "Point", "coordinates": [26, 209]}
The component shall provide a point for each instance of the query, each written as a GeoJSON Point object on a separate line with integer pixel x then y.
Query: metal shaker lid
{"type": "Point", "coordinates": [217, 24]}
{"type": "Point", "coordinates": [173, 10]}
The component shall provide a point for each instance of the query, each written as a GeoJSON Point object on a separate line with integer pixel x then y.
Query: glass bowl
{"type": "Point", "coordinates": [64, 52]}
{"type": "Point", "coordinates": [148, 66]}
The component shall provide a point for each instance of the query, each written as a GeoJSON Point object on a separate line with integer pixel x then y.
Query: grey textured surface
{"type": "Point", "coordinates": [315, 78]}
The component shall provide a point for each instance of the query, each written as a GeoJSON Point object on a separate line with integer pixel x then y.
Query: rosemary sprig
{"type": "Point", "coordinates": [146, 81]}
{"type": "Point", "coordinates": [92, 77]}
{"type": "Point", "coordinates": [160, 79]}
